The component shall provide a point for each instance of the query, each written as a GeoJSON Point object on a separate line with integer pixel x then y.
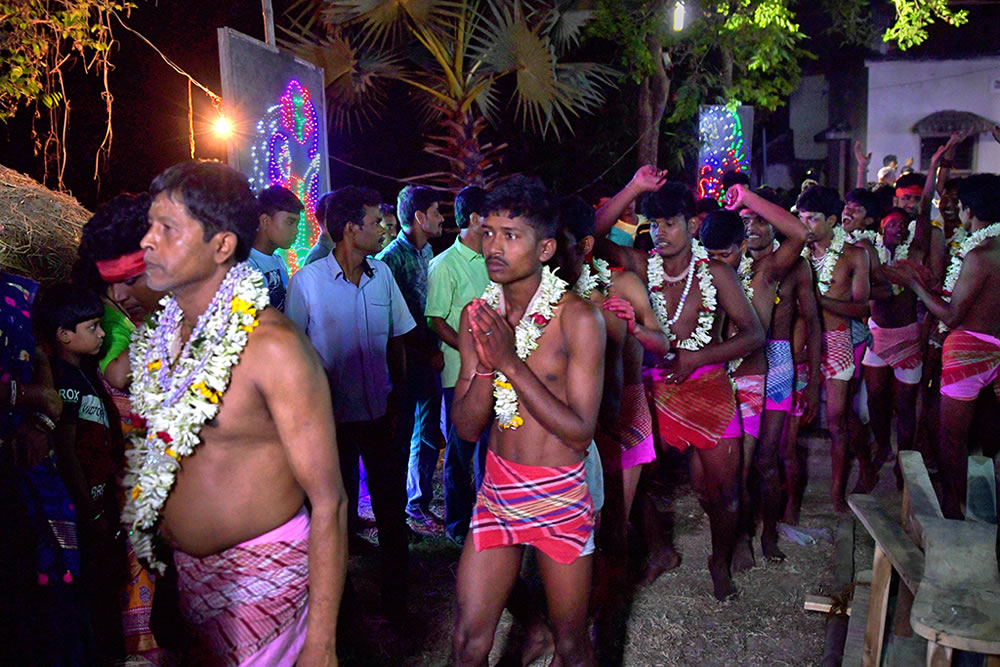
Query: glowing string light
{"type": "Point", "coordinates": [287, 152]}
{"type": "Point", "coordinates": [724, 149]}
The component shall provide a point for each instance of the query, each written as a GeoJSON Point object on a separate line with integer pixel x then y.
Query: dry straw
{"type": "Point", "coordinates": [40, 228]}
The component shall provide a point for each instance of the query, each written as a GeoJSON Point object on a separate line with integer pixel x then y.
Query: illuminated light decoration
{"type": "Point", "coordinates": [723, 149]}
{"type": "Point", "coordinates": [287, 152]}
{"type": "Point", "coordinates": [223, 127]}
{"type": "Point", "coordinates": [679, 12]}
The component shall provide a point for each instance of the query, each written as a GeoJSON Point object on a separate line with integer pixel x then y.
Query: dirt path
{"type": "Point", "coordinates": [675, 621]}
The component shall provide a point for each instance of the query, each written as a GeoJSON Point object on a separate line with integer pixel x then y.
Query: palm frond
{"type": "Point", "coordinates": [354, 80]}
{"type": "Point", "coordinates": [563, 23]}
{"type": "Point", "coordinates": [382, 22]}
{"type": "Point", "coordinates": [302, 17]}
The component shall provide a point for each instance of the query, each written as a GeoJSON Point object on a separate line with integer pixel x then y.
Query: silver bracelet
{"type": "Point", "coordinates": [13, 393]}
{"type": "Point", "coordinates": [45, 421]}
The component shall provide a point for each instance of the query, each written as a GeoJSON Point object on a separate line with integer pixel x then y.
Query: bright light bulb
{"type": "Point", "coordinates": [223, 127]}
{"type": "Point", "coordinates": [678, 16]}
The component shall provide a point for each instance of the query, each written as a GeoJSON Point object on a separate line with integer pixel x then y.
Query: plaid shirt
{"type": "Point", "coordinates": [409, 267]}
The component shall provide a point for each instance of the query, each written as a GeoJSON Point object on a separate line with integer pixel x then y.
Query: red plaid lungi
{"type": "Point", "coordinates": [546, 507]}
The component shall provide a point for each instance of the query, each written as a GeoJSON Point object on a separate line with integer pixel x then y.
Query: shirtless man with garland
{"type": "Point", "coordinates": [760, 273]}
{"type": "Point", "coordinates": [233, 458]}
{"type": "Point", "coordinates": [533, 353]}
{"type": "Point", "coordinates": [968, 306]}
{"type": "Point", "coordinates": [841, 274]}
{"type": "Point", "coordinates": [691, 390]}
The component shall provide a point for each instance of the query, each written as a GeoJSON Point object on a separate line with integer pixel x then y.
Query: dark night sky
{"type": "Point", "coordinates": [150, 109]}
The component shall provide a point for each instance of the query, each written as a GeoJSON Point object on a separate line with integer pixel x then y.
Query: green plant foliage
{"type": "Point", "coordinates": [454, 54]}
{"type": "Point", "coordinates": [38, 38]}
{"type": "Point", "coordinates": [913, 17]}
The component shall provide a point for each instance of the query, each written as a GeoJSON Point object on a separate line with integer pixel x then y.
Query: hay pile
{"type": "Point", "coordinates": [41, 228]}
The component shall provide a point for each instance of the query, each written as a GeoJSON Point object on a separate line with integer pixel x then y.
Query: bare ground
{"type": "Point", "coordinates": [674, 621]}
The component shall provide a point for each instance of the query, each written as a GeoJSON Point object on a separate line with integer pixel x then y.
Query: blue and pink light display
{"type": "Point", "coordinates": [724, 148]}
{"type": "Point", "coordinates": [287, 152]}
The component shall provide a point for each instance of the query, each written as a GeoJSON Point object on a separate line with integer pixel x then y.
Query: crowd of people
{"type": "Point", "coordinates": [186, 428]}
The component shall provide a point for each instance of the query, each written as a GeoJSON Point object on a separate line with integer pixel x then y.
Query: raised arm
{"type": "Point", "coordinates": [863, 161]}
{"type": "Point", "coordinates": [306, 431]}
{"type": "Point", "coordinates": [790, 226]}
{"type": "Point", "coordinates": [574, 421]}
{"type": "Point", "coordinates": [646, 179]}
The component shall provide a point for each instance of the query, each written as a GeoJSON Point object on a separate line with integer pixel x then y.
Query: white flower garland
{"type": "Point", "coordinates": [600, 279]}
{"type": "Point", "coordinates": [901, 253]}
{"type": "Point", "coordinates": [824, 272]}
{"type": "Point", "coordinates": [541, 309]}
{"type": "Point", "coordinates": [859, 235]}
{"type": "Point", "coordinates": [177, 399]}
{"type": "Point", "coordinates": [702, 333]}
{"type": "Point", "coordinates": [971, 242]}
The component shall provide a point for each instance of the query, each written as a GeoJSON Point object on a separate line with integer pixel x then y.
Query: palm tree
{"type": "Point", "coordinates": [455, 54]}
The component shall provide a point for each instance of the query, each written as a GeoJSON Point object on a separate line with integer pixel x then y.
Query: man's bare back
{"type": "Point", "coordinates": [238, 483]}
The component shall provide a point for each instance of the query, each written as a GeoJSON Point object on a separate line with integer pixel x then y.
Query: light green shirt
{"type": "Point", "coordinates": [456, 277]}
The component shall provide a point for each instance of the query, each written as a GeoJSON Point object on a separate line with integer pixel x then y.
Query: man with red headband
{"type": "Point", "coordinates": [968, 307]}
{"type": "Point", "coordinates": [110, 260]}
{"type": "Point", "coordinates": [893, 363]}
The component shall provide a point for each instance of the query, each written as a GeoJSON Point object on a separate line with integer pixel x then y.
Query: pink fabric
{"type": "Point", "coordinates": [859, 354]}
{"type": "Point", "coordinates": [801, 380]}
{"type": "Point", "coordinates": [247, 605]}
{"type": "Point", "coordinates": [642, 453]}
{"type": "Point", "coordinates": [967, 367]}
{"type": "Point", "coordinates": [633, 429]}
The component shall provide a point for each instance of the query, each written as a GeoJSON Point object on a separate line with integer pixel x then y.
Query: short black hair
{"type": "Point", "coordinates": [885, 194]}
{"type": "Point", "coordinates": [980, 193]}
{"type": "Point", "coordinates": [910, 179]}
{"type": "Point", "coordinates": [953, 183]}
{"type": "Point", "coordinates": [217, 196]}
{"type": "Point", "coordinates": [347, 204]}
{"type": "Point", "coordinates": [767, 193]}
{"type": "Point", "coordinates": [731, 178]}
{"type": "Point", "coordinates": [64, 305]}
{"type": "Point", "coordinates": [414, 198]}
{"type": "Point", "coordinates": [671, 199]}
{"type": "Point", "coordinates": [721, 229]}
{"type": "Point", "coordinates": [115, 230]}
{"type": "Point", "coordinates": [525, 197]}
{"type": "Point", "coordinates": [277, 198]}
{"type": "Point", "coordinates": [470, 199]}
{"type": "Point", "coordinates": [387, 209]}
{"type": "Point", "coordinates": [706, 205]}
{"type": "Point", "coordinates": [889, 159]}
{"type": "Point", "coordinates": [577, 216]}
{"type": "Point", "coordinates": [820, 199]}
{"type": "Point", "coordinates": [866, 198]}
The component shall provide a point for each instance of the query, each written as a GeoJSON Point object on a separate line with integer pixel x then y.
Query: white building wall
{"type": "Point", "coordinates": [808, 114]}
{"type": "Point", "coordinates": [900, 93]}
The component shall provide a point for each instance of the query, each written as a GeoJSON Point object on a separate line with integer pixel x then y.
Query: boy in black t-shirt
{"type": "Point", "coordinates": [88, 447]}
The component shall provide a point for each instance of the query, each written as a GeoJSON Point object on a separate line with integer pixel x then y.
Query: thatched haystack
{"type": "Point", "coordinates": [41, 228]}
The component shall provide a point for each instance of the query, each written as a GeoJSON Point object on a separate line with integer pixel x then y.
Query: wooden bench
{"type": "Point", "coordinates": [919, 498]}
{"type": "Point", "coordinates": [894, 550]}
{"type": "Point", "coordinates": [948, 570]}
{"type": "Point", "coordinates": [957, 605]}
{"type": "Point", "coordinates": [981, 492]}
